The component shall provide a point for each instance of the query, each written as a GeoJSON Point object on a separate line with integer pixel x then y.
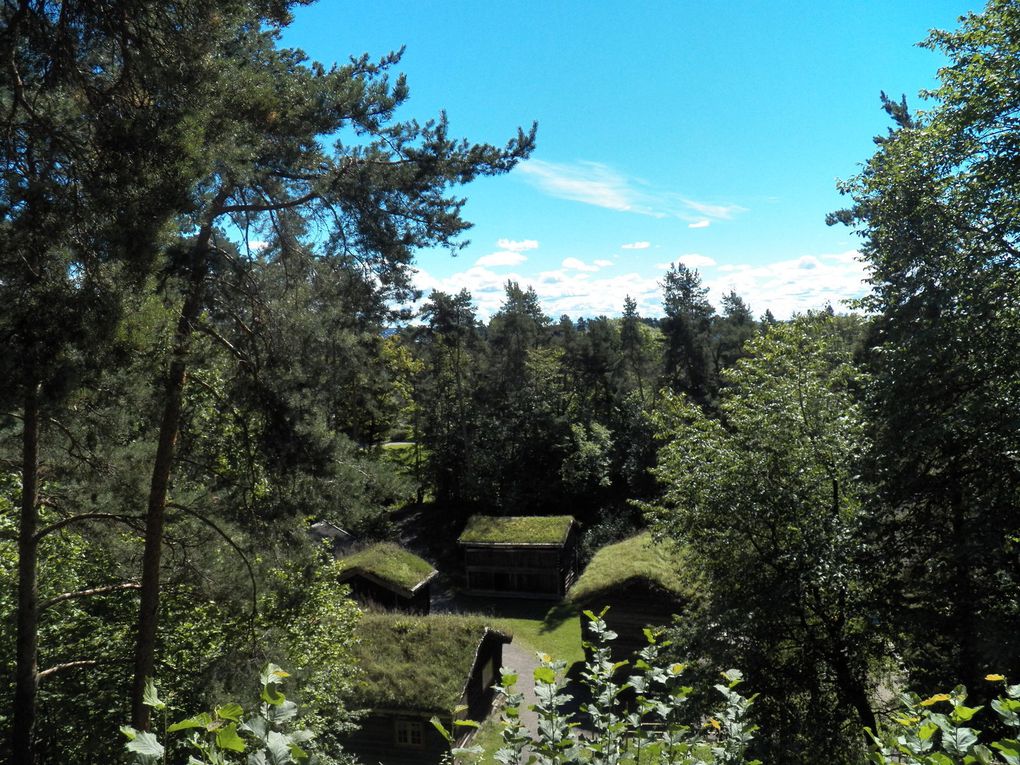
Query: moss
{"type": "Point", "coordinates": [533, 529]}
{"type": "Point", "coordinates": [638, 559]}
{"type": "Point", "coordinates": [416, 662]}
{"type": "Point", "coordinates": [388, 562]}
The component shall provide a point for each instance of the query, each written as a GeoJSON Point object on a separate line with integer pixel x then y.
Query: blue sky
{"type": "Point", "coordinates": [707, 132]}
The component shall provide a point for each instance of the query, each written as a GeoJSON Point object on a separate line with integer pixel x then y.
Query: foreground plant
{"type": "Point", "coordinates": [228, 735]}
{"type": "Point", "coordinates": [634, 720]}
{"type": "Point", "coordinates": [925, 732]}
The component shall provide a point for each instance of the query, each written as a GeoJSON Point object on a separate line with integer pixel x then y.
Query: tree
{"type": "Point", "coordinates": [766, 502]}
{"type": "Point", "coordinates": [686, 327]}
{"type": "Point", "coordinates": [936, 206]}
{"type": "Point", "coordinates": [450, 347]}
{"type": "Point", "coordinates": [731, 332]}
{"type": "Point", "coordinates": [371, 202]}
{"type": "Point", "coordinates": [96, 152]}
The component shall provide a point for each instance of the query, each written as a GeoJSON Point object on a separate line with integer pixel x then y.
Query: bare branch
{"type": "Point", "coordinates": [226, 537]}
{"type": "Point", "coordinates": [88, 593]}
{"type": "Point", "coordinates": [130, 520]}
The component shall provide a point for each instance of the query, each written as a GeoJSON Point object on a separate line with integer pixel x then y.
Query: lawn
{"type": "Point", "coordinates": [538, 625]}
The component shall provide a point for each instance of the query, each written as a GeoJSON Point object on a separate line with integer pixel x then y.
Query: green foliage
{"type": "Point", "coordinates": [936, 207]}
{"type": "Point", "coordinates": [926, 733]}
{"type": "Point", "coordinates": [765, 502]}
{"type": "Point", "coordinates": [264, 736]}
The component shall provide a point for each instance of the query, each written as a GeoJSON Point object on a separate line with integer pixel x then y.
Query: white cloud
{"type": "Point", "coordinates": [784, 287]}
{"type": "Point", "coordinates": [603, 263]}
{"type": "Point", "coordinates": [257, 245]}
{"type": "Point", "coordinates": [794, 286]}
{"type": "Point", "coordinates": [594, 183]}
{"type": "Point", "coordinates": [703, 223]}
{"type": "Point", "coordinates": [574, 264]}
{"type": "Point", "coordinates": [636, 246]}
{"type": "Point", "coordinates": [502, 258]}
{"type": "Point", "coordinates": [691, 260]}
{"type": "Point", "coordinates": [514, 246]}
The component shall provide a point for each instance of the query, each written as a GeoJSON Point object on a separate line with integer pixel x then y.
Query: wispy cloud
{"type": "Point", "coordinates": [587, 182]}
{"type": "Point", "coordinates": [636, 246]}
{"type": "Point", "coordinates": [603, 263]}
{"type": "Point", "coordinates": [703, 223]}
{"type": "Point", "coordinates": [514, 246]}
{"type": "Point", "coordinates": [594, 183]}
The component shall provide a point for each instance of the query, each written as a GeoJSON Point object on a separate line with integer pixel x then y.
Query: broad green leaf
{"type": "Point", "coordinates": [441, 728]}
{"type": "Point", "coordinates": [150, 697]}
{"type": "Point", "coordinates": [544, 675]}
{"type": "Point", "coordinates": [230, 712]}
{"type": "Point", "coordinates": [227, 738]}
{"type": "Point", "coordinates": [202, 720]}
{"type": "Point", "coordinates": [145, 743]}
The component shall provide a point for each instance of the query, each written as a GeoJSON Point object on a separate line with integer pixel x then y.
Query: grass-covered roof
{"type": "Point", "coordinates": [638, 559]}
{"type": "Point", "coordinates": [388, 563]}
{"type": "Point", "coordinates": [419, 663]}
{"type": "Point", "coordinates": [517, 530]}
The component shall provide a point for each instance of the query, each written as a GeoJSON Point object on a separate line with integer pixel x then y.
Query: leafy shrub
{"type": "Point", "coordinates": [923, 733]}
{"type": "Point", "coordinates": [636, 719]}
{"type": "Point", "coordinates": [228, 735]}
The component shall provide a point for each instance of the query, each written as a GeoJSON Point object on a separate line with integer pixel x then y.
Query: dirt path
{"type": "Point", "coordinates": [523, 662]}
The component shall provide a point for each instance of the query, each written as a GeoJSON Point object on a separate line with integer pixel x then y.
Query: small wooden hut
{"type": "Point", "coordinates": [522, 556]}
{"type": "Point", "coordinates": [415, 668]}
{"type": "Point", "coordinates": [639, 580]}
{"type": "Point", "coordinates": [388, 577]}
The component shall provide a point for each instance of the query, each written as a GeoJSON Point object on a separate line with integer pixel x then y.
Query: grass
{"type": "Point", "coordinates": [389, 562]}
{"type": "Point", "coordinates": [416, 662]}
{"type": "Point", "coordinates": [535, 625]}
{"type": "Point", "coordinates": [636, 559]}
{"type": "Point", "coordinates": [485, 529]}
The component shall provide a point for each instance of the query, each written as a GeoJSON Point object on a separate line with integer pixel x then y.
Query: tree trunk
{"type": "Point", "coordinates": [148, 610]}
{"type": "Point", "coordinates": [26, 672]}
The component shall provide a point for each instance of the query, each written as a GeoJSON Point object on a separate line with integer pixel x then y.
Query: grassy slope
{"type": "Point", "coordinates": [637, 558]}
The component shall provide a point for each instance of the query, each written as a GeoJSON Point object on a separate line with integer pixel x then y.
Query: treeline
{"type": "Point", "coordinates": [523, 414]}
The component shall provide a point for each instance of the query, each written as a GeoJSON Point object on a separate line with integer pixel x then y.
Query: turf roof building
{"type": "Point", "coordinates": [638, 579]}
{"type": "Point", "coordinates": [522, 556]}
{"type": "Point", "coordinates": [416, 668]}
{"type": "Point", "coordinates": [386, 576]}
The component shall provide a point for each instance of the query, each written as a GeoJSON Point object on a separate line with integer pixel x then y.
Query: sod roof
{"type": "Point", "coordinates": [419, 663]}
{"type": "Point", "coordinates": [636, 560]}
{"type": "Point", "coordinates": [389, 565]}
{"type": "Point", "coordinates": [517, 530]}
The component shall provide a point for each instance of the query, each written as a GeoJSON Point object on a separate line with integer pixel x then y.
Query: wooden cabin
{"type": "Point", "coordinates": [640, 580]}
{"type": "Point", "coordinates": [387, 577]}
{"type": "Point", "coordinates": [521, 557]}
{"type": "Point", "coordinates": [417, 667]}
